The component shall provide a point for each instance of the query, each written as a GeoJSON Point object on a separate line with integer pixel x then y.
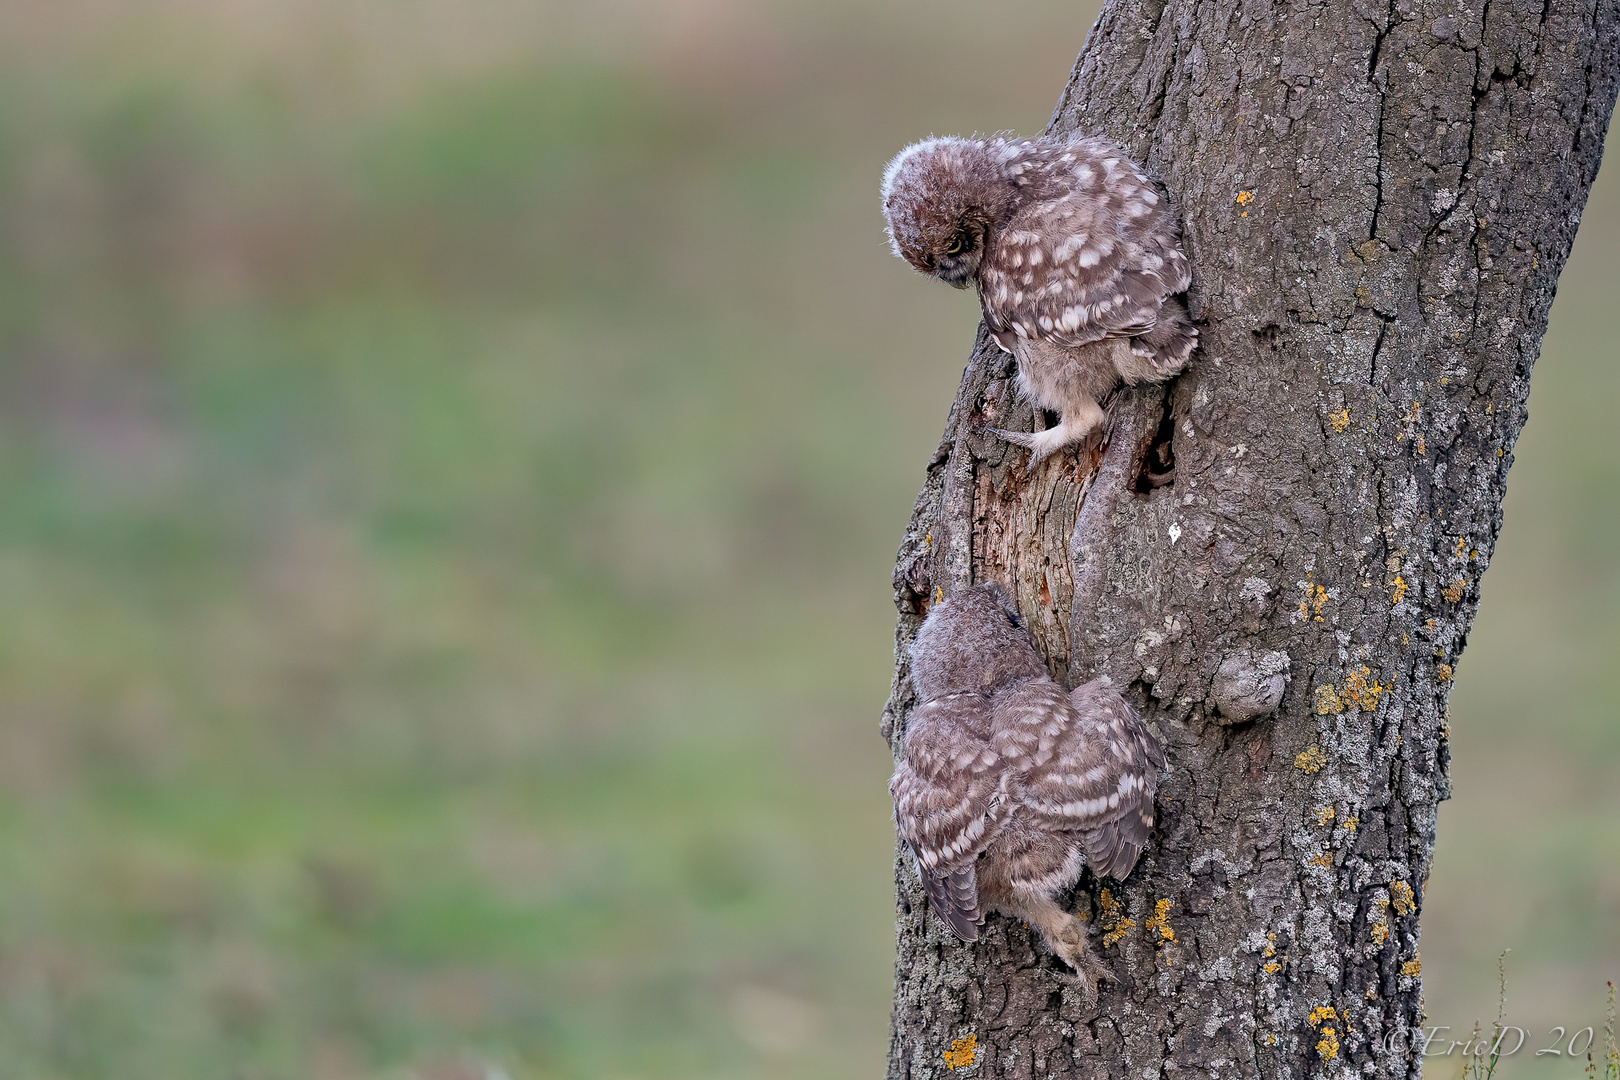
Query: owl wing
{"type": "Point", "coordinates": [948, 804]}
{"type": "Point", "coordinates": [1085, 763]}
{"type": "Point", "coordinates": [1097, 260]}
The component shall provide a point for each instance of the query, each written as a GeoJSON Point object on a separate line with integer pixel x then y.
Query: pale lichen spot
{"type": "Point", "coordinates": [1310, 760]}
{"type": "Point", "coordinates": [1328, 702]}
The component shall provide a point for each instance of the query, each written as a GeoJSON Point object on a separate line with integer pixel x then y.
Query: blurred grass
{"type": "Point", "coordinates": [451, 458]}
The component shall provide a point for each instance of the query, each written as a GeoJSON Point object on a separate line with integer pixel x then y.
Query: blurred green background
{"type": "Point", "coordinates": [451, 457]}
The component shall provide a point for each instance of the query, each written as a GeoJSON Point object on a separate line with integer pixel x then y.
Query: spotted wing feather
{"type": "Point", "coordinates": [1085, 763]}
{"type": "Point", "coordinates": [948, 803]}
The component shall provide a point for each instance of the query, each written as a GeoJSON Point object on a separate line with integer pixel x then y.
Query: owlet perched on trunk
{"type": "Point", "coordinates": [1008, 786]}
{"type": "Point", "coordinates": [1074, 252]}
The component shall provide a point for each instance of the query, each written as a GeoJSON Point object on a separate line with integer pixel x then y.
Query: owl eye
{"type": "Point", "coordinates": [958, 242]}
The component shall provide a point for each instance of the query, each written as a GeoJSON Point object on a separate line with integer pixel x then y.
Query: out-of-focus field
{"type": "Point", "coordinates": [451, 456]}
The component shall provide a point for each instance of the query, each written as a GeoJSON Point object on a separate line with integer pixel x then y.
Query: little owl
{"type": "Point", "coordinates": [1007, 785]}
{"type": "Point", "coordinates": [1074, 252]}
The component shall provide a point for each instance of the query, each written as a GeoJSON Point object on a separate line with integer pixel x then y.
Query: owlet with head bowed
{"type": "Point", "coordinates": [1008, 785]}
{"type": "Point", "coordinates": [1074, 252]}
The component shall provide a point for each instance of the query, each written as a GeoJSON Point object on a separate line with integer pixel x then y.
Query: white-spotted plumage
{"type": "Point", "coordinates": [1073, 252]}
{"type": "Point", "coordinates": [1008, 785]}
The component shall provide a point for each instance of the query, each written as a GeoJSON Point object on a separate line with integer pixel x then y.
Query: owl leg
{"type": "Point", "coordinates": [1080, 419]}
{"type": "Point", "coordinates": [1065, 935]}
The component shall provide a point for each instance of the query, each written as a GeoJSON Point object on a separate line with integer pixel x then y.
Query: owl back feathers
{"type": "Point", "coordinates": [1092, 251]}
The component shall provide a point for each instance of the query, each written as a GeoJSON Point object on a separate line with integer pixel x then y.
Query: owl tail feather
{"type": "Point", "coordinates": [954, 897]}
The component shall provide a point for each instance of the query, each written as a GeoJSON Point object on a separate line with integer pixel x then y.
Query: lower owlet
{"type": "Point", "coordinates": [1075, 254]}
{"type": "Point", "coordinates": [1008, 786]}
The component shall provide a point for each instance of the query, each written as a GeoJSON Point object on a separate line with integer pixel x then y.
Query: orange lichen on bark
{"type": "Point", "coordinates": [1454, 591]}
{"type": "Point", "coordinates": [1362, 689]}
{"type": "Point", "coordinates": [1310, 760]}
{"type": "Point", "coordinates": [1443, 672]}
{"type": "Point", "coordinates": [1311, 606]}
{"type": "Point", "coordinates": [1113, 920]}
{"type": "Point", "coordinates": [1325, 815]}
{"type": "Point", "coordinates": [963, 1052]}
{"type": "Point", "coordinates": [1400, 590]}
{"type": "Point", "coordinates": [1413, 966]}
{"type": "Point", "coordinates": [1401, 898]}
{"type": "Point", "coordinates": [1160, 920]}
{"type": "Point", "coordinates": [1339, 421]}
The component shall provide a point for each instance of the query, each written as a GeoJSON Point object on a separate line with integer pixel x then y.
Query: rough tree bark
{"type": "Point", "coordinates": [1377, 202]}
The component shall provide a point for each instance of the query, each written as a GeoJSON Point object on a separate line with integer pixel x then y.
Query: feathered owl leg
{"type": "Point", "coordinates": [1080, 419]}
{"type": "Point", "coordinates": [1065, 935]}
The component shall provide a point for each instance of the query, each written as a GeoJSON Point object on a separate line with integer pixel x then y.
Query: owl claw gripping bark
{"type": "Point", "coordinates": [1007, 786]}
{"type": "Point", "coordinates": [1075, 255]}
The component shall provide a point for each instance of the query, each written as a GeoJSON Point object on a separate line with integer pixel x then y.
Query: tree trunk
{"type": "Point", "coordinates": [1377, 203]}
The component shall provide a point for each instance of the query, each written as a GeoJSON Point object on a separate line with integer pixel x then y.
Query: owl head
{"type": "Point", "coordinates": [942, 198]}
{"type": "Point", "coordinates": [973, 643]}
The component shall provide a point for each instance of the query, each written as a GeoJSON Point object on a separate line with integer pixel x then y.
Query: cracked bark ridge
{"type": "Point", "coordinates": [1378, 199]}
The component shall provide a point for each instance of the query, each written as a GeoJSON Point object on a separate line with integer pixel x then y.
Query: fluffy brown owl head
{"type": "Point", "coordinates": [972, 643]}
{"type": "Point", "coordinates": [942, 198]}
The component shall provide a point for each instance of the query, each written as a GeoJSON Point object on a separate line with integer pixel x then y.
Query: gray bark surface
{"type": "Point", "coordinates": [1377, 201]}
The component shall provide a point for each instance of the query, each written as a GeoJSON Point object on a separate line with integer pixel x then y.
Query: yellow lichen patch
{"type": "Point", "coordinates": [1311, 606]}
{"type": "Point", "coordinates": [1462, 546]}
{"type": "Point", "coordinates": [1380, 931]}
{"type": "Point", "coordinates": [1413, 966]}
{"type": "Point", "coordinates": [1328, 1045]}
{"type": "Point", "coordinates": [1325, 815]}
{"type": "Point", "coordinates": [1339, 421]}
{"type": "Point", "coordinates": [1272, 968]}
{"type": "Point", "coordinates": [1160, 920]}
{"type": "Point", "coordinates": [1454, 591]}
{"type": "Point", "coordinates": [939, 594]}
{"type": "Point", "coordinates": [1327, 701]}
{"type": "Point", "coordinates": [1350, 824]}
{"type": "Point", "coordinates": [1310, 760]}
{"type": "Point", "coordinates": [1112, 920]}
{"type": "Point", "coordinates": [963, 1052]}
{"type": "Point", "coordinates": [1323, 860]}
{"type": "Point", "coordinates": [1271, 945]}
{"type": "Point", "coordinates": [1401, 898]}
{"type": "Point", "coordinates": [1362, 689]}
{"type": "Point", "coordinates": [1400, 590]}
{"type": "Point", "coordinates": [1244, 198]}
{"type": "Point", "coordinates": [1321, 1013]}
{"type": "Point", "coordinates": [1114, 936]}
{"type": "Point", "coordinates": [1443, 672]}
